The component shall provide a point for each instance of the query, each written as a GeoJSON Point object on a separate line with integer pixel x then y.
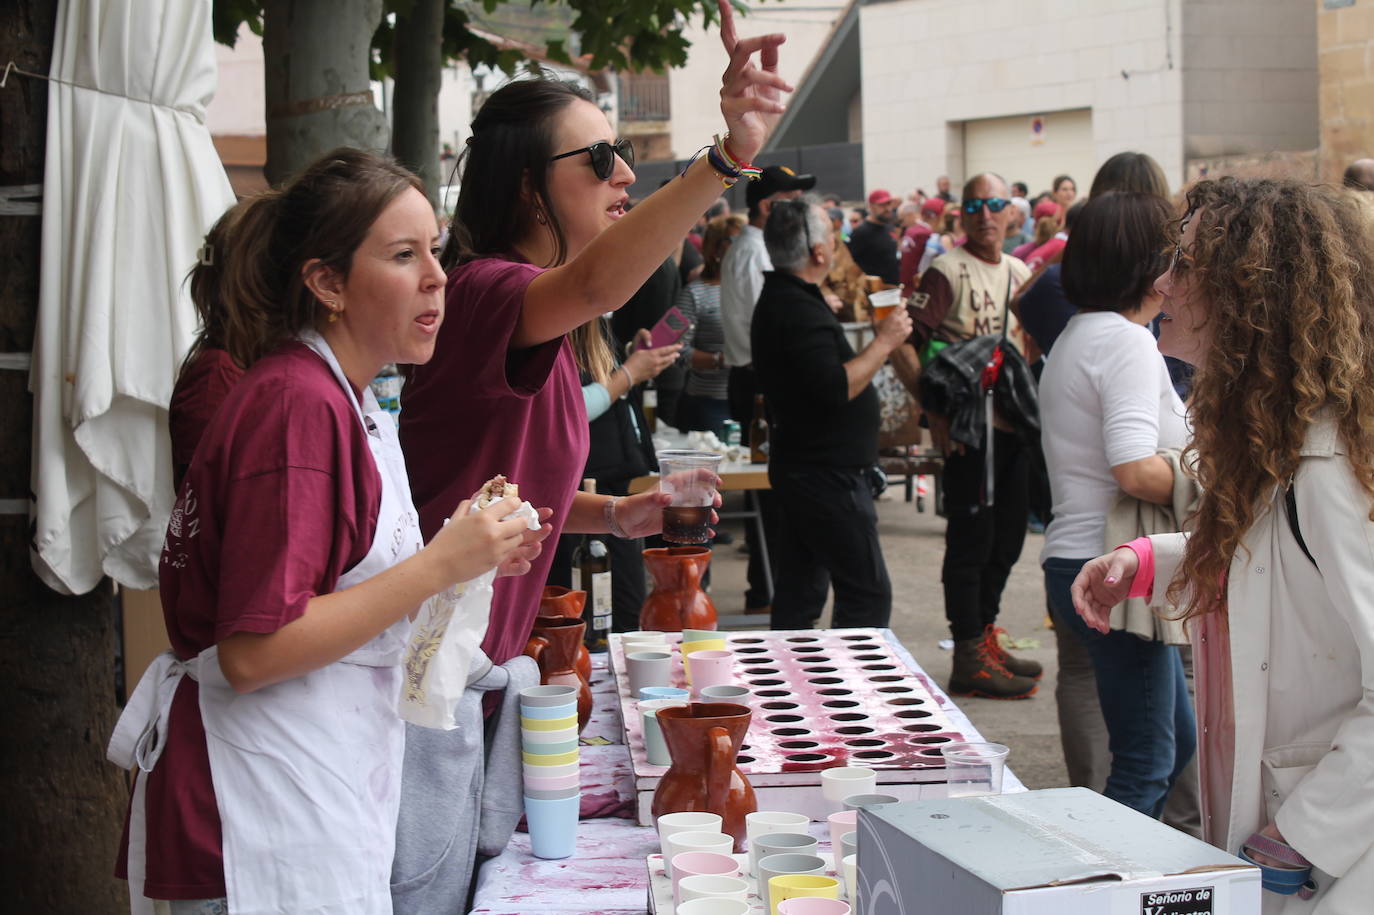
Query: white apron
{"type": "Point", "coordinates": [307, 773]}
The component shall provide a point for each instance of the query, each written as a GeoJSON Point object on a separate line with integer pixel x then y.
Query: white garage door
{"type": "Point", "coordinates": [1008, 146]}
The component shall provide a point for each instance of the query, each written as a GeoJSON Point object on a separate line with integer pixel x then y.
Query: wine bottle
{"type": "Point", "coordinates": [592, 573]}
{"type": "Point", "coordinates": [758, 433]}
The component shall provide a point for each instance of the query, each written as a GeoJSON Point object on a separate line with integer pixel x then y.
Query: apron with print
{"type": "Point", "coordinates": [307, 773]}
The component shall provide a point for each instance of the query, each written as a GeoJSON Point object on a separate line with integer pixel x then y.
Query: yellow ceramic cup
{"type": "Point", "coordinates": [551, 724]}
{"type": "Point", "coordinates": [701, 645]}
{"type": "Point", "coordinates": [549, 759]}
{"type": "Point", "coordinates": [790, 886]}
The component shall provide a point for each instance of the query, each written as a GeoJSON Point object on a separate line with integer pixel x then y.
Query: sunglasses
{"type": "Point", "coordinates": [603, 156]}
{"type": "Point", "coordinates": [972, 205]}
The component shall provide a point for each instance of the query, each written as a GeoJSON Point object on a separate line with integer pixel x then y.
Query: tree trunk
{"type": "Point", "coordinates": [64, 804]}
{"type": "Point", "coordinates": [316, 55]}
{"type": "Point", "coordinates": [415, 101]}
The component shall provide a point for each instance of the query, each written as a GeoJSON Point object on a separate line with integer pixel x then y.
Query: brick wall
{"type": "Point", "coordinates": [1345, 61]}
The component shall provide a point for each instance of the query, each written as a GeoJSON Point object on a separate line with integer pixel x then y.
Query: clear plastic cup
{"type": "Point", "coordinates": [690, 478]}
{"type": "Point", "coordinates": [974, 769]}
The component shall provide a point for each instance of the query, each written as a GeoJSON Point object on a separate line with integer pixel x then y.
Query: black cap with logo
{"type": "Point", "coordinates": [775, 180]}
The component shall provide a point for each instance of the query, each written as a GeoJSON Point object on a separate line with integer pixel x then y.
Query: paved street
{"type": "Point", "coordinates": [913, 543]}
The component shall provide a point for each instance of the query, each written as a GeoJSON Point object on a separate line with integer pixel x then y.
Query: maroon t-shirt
{"type": "Point", "coordinates": [200, 389]}
{"type": "Point", "coordinates": [280, 500]}
{"type": "Point", "coordinates": [480, 408]}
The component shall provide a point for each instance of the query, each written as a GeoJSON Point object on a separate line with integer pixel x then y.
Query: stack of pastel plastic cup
{"type": "Point", "coordinates": [553, 786]}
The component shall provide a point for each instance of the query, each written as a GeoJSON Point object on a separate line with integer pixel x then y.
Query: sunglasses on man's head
{"type": "Point", "coordinates": [972, 205]}
{"type": "Point", "coordinates": [603, 156]}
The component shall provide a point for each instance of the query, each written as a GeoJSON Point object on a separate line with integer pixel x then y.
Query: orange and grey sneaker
{"type": "Point", "coordinates": [979, 672]}
{"type": "Point", "coordinates": [1020, 667]}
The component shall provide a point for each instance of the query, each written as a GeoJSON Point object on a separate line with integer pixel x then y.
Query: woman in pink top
{"type": "Point", "coordinates": [542, 243]}
{"type": "Point", "coordinates": [1269, 294]}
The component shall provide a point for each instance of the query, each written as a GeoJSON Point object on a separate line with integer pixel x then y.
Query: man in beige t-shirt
{"type": "Point", "coordinates": [963, 295]}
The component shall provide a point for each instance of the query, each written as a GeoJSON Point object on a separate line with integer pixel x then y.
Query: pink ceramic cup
{"type": "Point", "coordinates": [712, 667]}
{"type": "Point", "coordinates": [841, 823]}
{"type": "Point", "coordinates": [538, 783]}
{"type": "Point", "coordinates": [701, 862]}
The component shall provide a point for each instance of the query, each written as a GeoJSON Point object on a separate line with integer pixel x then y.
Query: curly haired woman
{"type": "Point", "coordinates": [1270, 296]}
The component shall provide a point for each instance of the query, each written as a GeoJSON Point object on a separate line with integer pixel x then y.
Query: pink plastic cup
{"type": "Point", "coordinates": [701, 862]}
{"type": "Point", "coordinates": [712, 668]}
{"type": "Point", "coordinates": [539, 783]}
{"type": "Point", "coordinates": [840, 823]}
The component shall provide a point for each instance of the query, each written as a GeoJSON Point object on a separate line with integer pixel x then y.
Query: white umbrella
{"type": "Point", "coordinates": [132, 182]}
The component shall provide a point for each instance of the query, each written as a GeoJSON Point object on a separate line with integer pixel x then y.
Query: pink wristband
{"type": "Point", "coordinates": [1143, 585]}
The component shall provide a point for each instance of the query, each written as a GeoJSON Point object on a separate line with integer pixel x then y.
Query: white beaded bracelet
{"type": "Point", "coordinates": [608, 512]}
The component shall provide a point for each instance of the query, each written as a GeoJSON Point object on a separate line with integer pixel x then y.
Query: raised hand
{"type": "Point", "coordinates": [750, 94]}
{"type": "Point", "coordinates": [1103, 583]}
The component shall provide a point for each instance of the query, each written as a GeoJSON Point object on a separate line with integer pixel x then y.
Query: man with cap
{"type": "Point", "coordinates": [741, 280]}
{"type": "Point", "coordinates": [872, 244]}
{"type": "Point", "coordinates": [916, 252]}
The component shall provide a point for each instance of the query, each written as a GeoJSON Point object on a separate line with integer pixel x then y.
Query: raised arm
{"type": "Point", "coordinates": [607, 272]}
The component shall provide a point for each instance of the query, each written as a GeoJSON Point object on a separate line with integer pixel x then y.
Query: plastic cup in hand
{"type": "Point", "coordinates": [689, 477]}
{"type": "Point", "coordinates": [974, 769]}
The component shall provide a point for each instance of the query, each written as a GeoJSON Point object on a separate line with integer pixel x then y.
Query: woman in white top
{"type": "Point", "coordinates": [1107, 407]}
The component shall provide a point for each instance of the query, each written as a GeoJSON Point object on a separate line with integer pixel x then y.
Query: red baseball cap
{"type": "Point", "coordinates": [1045, 208]}
{"type": "Point", "coordinates": [878, 196]}
{"type": "Point", "coordinates": [934, 206]}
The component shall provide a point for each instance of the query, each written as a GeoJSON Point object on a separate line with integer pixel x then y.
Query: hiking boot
{"type": "Point", "coordinates": [1019, 667]}
{"type": "Point", "coordinates": [978, 672]}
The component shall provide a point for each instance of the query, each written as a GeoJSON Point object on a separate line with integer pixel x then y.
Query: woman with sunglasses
{"type": "Point", "coordinates": [1269, 296]}
{"type": "Point", "coordinates": [541, 243]}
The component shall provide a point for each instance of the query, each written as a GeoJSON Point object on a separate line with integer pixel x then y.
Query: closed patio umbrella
{"type": "Point", "coordinates": [132, 183]}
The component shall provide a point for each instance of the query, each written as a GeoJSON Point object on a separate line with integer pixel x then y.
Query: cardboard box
{"type": "Point", "coordinates": [1063, 851]}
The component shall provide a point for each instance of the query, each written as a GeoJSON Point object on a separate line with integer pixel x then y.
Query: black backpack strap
{"type": "Point", "coordinates": [1291, 503]}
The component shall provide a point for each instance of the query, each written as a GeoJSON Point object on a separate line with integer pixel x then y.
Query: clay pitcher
{"type": "Point", "coordinates": [677, 601]}
{"type": "Point", "coordinates": [703, 740]}
{"type": "Point", "coordinates": [553, 645]}
{"type": "Point", "coordinates": [560, 601]}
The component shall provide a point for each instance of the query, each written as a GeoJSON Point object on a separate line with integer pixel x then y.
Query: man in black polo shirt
{"type": "Point", "coordinates": [873, 244]}
{"type": "Point", "coordinates": [824, 439]}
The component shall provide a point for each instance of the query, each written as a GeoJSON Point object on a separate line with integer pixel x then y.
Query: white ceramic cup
{"type": "Point", "coordinates": [713, 886]}
{"type": "Point", "coordinates": [851, 878]}
{"type": "Point", "coordinates": [763, 822]}
{"type": "Point", "coordinates": [839, 782]}
{"type": "Point", "coordinates": [713, 906]}
{"type": "Point", "coordinates": [648, 668]}
{"type": "Point", "coordinates": [691, 821]}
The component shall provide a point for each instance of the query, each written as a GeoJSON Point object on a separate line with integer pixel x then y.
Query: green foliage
{"type": "Point", "coordinates": [619, 34]}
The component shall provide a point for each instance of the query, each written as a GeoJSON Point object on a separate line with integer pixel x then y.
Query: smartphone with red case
{"type": "Point", "coordinates": [669, 329]}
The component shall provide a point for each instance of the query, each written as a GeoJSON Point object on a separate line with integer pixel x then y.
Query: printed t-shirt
{"type": "Point", "coordinates": [480, 408]}
{"type": "Point", "coordinates": [962, 296]}
{"type": "Point", "coordinates": [281, 499]}
{"type": "Point", "coordinates": [199, 391]}
{"type": "Point", "coordinates": [1047, 252]}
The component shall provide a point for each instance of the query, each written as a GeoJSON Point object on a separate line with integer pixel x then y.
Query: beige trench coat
{"type": "Point", "coordinates": [1302, 663]}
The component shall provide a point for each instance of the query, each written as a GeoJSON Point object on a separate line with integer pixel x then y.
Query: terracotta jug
{"type": "Point", "coordinates": [553, 645]}
{"type": "Point", "coordinates": [703, 740]}
{"type": "Point", "coordinates": [677, 601]}
{"type": "Point", "coordinates": [560, 601]}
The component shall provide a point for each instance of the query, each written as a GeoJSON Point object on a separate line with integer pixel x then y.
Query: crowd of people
{"type": "Point", "coordinates": [1234, 484]}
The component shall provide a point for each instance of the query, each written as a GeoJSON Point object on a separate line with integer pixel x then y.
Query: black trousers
{"type": "Point", "coordinates": [628, 590]}
{"type": "Point", "coordinates": [827, 535]}
{"type": "Point", "coordinates": [982, 543]}
{"type": "Point", "coordinates": [742, 387]}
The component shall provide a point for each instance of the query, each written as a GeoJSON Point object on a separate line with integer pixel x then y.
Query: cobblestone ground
{"type": "Point", "coordinates": [913, 543]}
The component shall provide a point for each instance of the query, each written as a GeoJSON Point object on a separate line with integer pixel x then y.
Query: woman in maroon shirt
{"type": "Point", "coordinates": [267, 741]}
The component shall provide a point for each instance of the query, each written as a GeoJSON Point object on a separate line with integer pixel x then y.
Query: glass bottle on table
{"type": "Point", "coordinates": [758, 433]}
{"type": "Point", "coordinates": [591, 572]}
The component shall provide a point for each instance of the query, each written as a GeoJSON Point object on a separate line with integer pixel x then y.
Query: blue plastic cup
{"type": "Point", "coordinates": [664, 692]}
{"type": "Point", "coordinates": [553, 825]}
{"type": "Point", "coordinates": [547, 712]}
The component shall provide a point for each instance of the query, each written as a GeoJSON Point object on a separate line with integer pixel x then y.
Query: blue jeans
{"type": "Point", "coordinates": [1144, 696]}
